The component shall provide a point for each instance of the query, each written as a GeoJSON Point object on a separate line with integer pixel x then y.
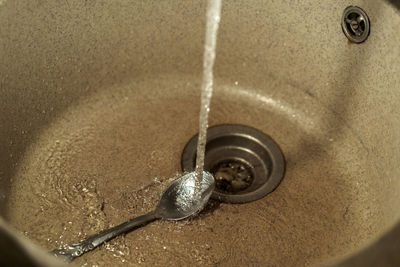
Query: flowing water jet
{"type": "Point", "coordinates": [213, 18]}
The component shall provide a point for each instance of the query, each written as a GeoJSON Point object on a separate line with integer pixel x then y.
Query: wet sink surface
{"type": "Point", "coordinates": [103, 162]}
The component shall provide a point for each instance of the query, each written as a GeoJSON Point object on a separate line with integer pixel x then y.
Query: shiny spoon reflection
{"type": "Point", "coordinates": [177, 202]}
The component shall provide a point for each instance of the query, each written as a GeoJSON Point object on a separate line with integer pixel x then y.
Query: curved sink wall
{"type": "Point", "coordinates": [290, 58]}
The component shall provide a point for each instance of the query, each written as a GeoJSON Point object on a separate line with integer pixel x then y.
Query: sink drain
{"type": "Point", "coordinates": [355, 24]}
{"type": "Point", "coordinates": [246, 163]}
{"type": "Point", "coordinates": [232, 176]}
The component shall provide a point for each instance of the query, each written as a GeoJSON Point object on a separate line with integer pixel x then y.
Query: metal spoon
{"type": "Point", "coordinates": [178, 202]}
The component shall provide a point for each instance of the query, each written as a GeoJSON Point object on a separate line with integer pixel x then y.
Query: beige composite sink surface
{"type": "Point", "coordinates": [99, 98]}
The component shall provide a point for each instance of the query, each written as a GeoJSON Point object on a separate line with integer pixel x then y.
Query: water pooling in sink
{"type": "Point", "coordinates": [95, 167]}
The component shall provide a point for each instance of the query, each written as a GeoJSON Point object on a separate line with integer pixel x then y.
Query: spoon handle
{"type": "Point", "coordinates": [73, 251]}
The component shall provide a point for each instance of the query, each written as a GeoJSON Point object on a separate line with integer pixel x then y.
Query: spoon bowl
{"type": "Point", "coordinates": [179, 201]}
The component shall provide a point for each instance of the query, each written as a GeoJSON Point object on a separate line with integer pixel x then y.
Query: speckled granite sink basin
{"type": "Point", "coordinates": [98, 99]}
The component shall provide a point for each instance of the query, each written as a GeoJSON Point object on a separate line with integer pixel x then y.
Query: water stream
{"type": "Point", "coordinates": [212, 23]}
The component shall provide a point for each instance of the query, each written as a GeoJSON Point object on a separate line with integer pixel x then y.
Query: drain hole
{"type": "Point", "coordinates": [232, 176]}
{"type": "Point", "coordinates": [355, 24]}
{"type": "Point", "coordinates": [246, 163]}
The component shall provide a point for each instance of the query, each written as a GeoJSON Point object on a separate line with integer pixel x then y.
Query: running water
{"type": "Point", "coordinates": [212, 23]}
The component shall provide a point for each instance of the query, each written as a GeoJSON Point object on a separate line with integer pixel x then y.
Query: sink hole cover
{"type": "Point", "coordinates": [246, 163]}
{"type": "Point", "coordinates": [355, 24]}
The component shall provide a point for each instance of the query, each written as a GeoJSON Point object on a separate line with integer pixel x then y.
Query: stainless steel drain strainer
{"type": "Point", "coordinates": [247, 164]}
